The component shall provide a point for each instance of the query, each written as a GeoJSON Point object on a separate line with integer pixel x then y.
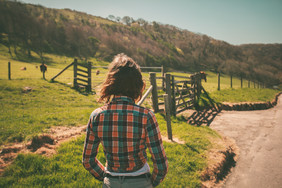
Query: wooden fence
{"type": "Point", "coordinates": [255, 84]}
{"type": "Point", "coordinates": [52, 79]}
{"type": "Point", "coordinates": [81, 75]}
{"type": "Point", "coordinates": [182, 92]}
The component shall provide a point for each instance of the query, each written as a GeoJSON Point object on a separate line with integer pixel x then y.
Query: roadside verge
{"type": "Point", "coordinates": [247, 106]}
{"type": "Point", "coordinates": [220, 159]}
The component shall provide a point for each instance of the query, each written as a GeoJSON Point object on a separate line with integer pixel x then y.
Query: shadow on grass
{"type": "Point", "coordinates": [82, 91]}
{"type": "Point", "coordinates": [206, 110]}
{"type": "Point", "coordinates": [192, 148]}
{"type": "Point", "coordinates": [203, 117]}
{"type": "Point", "coordinates": [227, 166]}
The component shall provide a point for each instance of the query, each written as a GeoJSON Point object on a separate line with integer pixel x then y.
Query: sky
{"type": "Point", "coordinates": [233, 21]}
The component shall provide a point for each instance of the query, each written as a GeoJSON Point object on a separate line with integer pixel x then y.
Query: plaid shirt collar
{"type": "Point", "coordinates": [122, 99]}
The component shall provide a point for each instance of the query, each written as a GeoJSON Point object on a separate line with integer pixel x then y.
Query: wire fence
{"type": "Point", "coordinates": [21, 70]}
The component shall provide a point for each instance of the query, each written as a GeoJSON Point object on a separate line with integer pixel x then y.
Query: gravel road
{"type": "Point", "coordinates": [258, 134]}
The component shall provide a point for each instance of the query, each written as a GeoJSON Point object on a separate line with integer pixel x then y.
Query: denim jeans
{"type": "Point", "coordinates": [122, 182]}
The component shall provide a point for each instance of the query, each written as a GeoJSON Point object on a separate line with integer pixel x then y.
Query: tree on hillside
{"type": "Point", "coordinates": [38, 39]}
{"type": "Point", "coordinates": [156, 26]}
{"type": "Point", "coordinates": [76, 40]}
{"type": "Point", "coordinates": [118, 19]}
{"type": "Point", "coordinates": [8, 25]}
{"type": "Point", "coordinates": [94, 45]}
{"type": "Point", "coordinates": [127, 20]}
{"type": "Point", "coordinates": [141, 21]}
{"type": "Point", "coordinates": [111, 17]}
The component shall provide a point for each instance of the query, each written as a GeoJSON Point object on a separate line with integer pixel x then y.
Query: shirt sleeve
{"type": "Point", "coordinates": [89, 160]}
{"type": "Point", "coordinates": [155, 145]}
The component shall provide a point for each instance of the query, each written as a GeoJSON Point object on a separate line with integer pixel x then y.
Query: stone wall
{"type": "Point", "coordinates": [249, 106]}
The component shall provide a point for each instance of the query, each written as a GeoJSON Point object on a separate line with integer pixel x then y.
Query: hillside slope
{"type": "Point", "coordinates": [25, 27]}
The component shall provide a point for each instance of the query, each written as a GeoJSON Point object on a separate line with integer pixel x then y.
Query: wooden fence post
{"type": "Point", "coordinates": [154, 91]}
{"type": "Point", "coordinates": [75, 73]}
{"type": "Point", "coordinates": [9, 70]}
{"type": "Point", "coordinates": [193, 86]}
{"type": "Point", "coordinates": [218, 87]}
{"type": "Point", "coordinates": [173, 107]}
{"type": "Point", "coordinates": [199, 85]}
{"type": "Point", "coordinates": [89, 76]}
{"type": "Point", "coordinates": [241, 81]}
{"type": "Point", "coordinates": [163, 76]}
{"type": "Point", "coordinates": [168, 89]}
{"type": "Point", "coordinates": [167, 116]}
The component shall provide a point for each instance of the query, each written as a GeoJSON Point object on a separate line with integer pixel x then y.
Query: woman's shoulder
{"type": "Point", "coordinates": [146, 111]}
{"type": "Point", "coordinates": [98, 111]}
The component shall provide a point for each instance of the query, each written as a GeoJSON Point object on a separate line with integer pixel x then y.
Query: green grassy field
{"type": "Point", "coordinates": [24, 115]}
{"type": "Point", "coordinates": [27, 114]}
{"type": "Point", "coordinates": [65, 169]}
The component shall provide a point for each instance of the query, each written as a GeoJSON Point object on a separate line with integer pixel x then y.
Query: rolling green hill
{"type": "Point", "coordinates": [25, 28]}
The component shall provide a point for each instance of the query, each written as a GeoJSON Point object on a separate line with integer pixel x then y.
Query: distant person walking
{"type": "Point", "coordinates": [125, 131]}
{"type": "Point", "coordinates": [43, 69]}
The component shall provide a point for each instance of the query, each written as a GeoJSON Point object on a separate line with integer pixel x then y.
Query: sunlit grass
{"type": "Point", "coordinates": [186, 161]}
{"type": "Point", "coordinates": [244, 95]}
{"type": "Point", "coordinates": [24, 114]}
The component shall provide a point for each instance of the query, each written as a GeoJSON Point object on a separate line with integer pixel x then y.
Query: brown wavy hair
{"type": "Point", "coordinates": [124, 78]}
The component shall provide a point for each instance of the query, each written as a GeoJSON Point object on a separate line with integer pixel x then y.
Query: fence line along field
{"type": "Point", "coordinates": [25, 114]}
{"type": "Point", "coordinates": [32, 71]}
{"type": "Point", "coordinates": [31, 105]}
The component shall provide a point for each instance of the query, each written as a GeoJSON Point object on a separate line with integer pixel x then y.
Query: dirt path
{"type": "Point", "coordinates": [258, 135]}
{"type": "Point", "coordinates": [45, 144]}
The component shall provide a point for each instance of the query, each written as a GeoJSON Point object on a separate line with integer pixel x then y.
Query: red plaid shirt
{"type": "Point", "coordinates": [125, 130]}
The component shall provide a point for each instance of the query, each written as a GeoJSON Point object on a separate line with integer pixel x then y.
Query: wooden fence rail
{"type": "Point", "coordinates": [184, 94]}
{"type": "Point", "coordinates": [82, 77]}
{"type": "Point", "coordinates": [145, 95]}
{"type": "Point", "coordinates": [181, 93]}
{"type": "Point", "coordinates": [52, 79]}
